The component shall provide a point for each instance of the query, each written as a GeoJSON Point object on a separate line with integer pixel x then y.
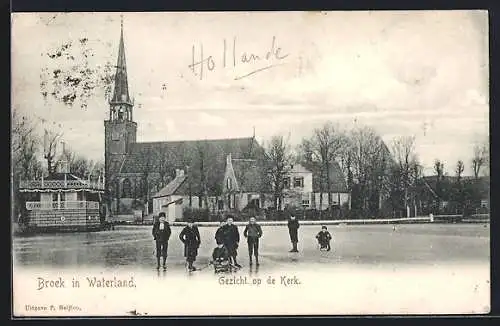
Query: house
{"type": "Point", "coordinates": [304, 187]}
{"type": "Point", "coordinates": [450, 195]}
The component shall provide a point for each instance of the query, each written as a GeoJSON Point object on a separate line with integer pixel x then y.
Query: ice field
{"type": "Point", "coordinates": [372, 269]}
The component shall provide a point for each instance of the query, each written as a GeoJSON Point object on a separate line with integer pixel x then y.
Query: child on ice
{"type": "Point", "coordinates": [324, 237]}
{"type": "Point", "coordinates": [220, 257]}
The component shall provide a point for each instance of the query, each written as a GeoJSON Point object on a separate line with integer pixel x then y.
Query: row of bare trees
{"type": "Point", "coordinates": [375, 175]}
{"type": "Point", "coordinates": [361, 153]}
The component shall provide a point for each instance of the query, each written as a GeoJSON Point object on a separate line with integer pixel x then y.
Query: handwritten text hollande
{"type": "Point", "coordinates": [231, 56]}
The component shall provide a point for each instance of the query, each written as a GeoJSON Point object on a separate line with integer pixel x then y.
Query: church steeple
{"type": "Point", "coordinates": [121, 105]}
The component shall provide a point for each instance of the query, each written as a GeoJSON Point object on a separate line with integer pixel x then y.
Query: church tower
{"type": "Point", "coordinates": [120, 130]}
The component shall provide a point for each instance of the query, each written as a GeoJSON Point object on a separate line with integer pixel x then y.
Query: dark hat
{"type": "Point", "coordinates": [190, 220]}
{"type": "Point", "coordinates": [324, 227]}
{"type": "Point", "coordinates": [161, 214]}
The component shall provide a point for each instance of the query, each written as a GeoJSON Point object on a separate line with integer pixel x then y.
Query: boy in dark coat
{"type": "Point", "coordinates": [293, 227]}
{"type": "Point", "coordinates": [161, 233]}
{"type": "Point", "coordinates": [219, 234]}
{"type": "Point", "coordinates": [324, 238]}
{"type": "Point", "coordinates": [231, 240]}
{"type": "Point", "coordinates": [253, 232]}
{"type": "Point", "coordinates": [190, 236]}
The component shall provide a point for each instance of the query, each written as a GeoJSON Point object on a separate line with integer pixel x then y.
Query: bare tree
{"type": "Point", "coordinates": [403, 152]}
{"type": "Point", "coordinates": [165, 157]}
{"type": "Point", "coordinates": [459, 170]}
{"type": "Point", "coordinates": [439, 168]}
{"type": "Point", "coordinates": [147, 168]}
{"type": "Point", "coordinates": [480, 158]}
{"type": "Point", "coordinates": [323, 148]}
{"type": "Point", "coordinates": [50, 141]}
{"type": "Point", "coordinates": [24, 146]}
{"type": "Point", "coordinates": [279, 156]}
{"type": "Point", "coordinates": [370, 160]}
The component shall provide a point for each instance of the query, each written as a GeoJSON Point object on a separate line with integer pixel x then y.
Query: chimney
{"type": "Point", "coordinates": [228, 159]}
{"type": "Point", "coordinates": [181, 172]}
{"type": "Point", "coordinates": [177, 173]}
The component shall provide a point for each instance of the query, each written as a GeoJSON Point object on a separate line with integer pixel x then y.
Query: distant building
{"type": "Point", "coordinates": [61, 201]}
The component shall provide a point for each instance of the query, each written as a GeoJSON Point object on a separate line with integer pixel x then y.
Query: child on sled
{"type": "Point", "coordinates": [220, 259]}
{"type": "Point", "coordinates": [324, 237]}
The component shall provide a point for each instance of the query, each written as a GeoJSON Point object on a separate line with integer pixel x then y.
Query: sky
{"type": "Point", "coordinates": [422, 74]}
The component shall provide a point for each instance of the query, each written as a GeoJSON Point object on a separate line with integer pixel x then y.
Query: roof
{"type": "Point", "coordinates": [298, 168]}
{"type": "Point", "coordinates": [182, 154]}
{"type": "Point", "coordinates": [171, 187]}
{"type": "Point", "coordinates": [338, 181]}
{"type": "Point", "coordinates": [249, 175]}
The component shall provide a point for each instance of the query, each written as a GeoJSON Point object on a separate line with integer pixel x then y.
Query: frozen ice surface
{"type": "Point", "coordinates": [133, 247]}
{"type": "Point", "coordinates": [372, 269]}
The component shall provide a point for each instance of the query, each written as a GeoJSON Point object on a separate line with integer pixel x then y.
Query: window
{"type": "Point", "coordinates": [305, 202]}
{"type": "Point", "coordinates": [286, 183]}
{"type": "Point", "coordinates": [298, 182]}
{"type": "Point", "coordinates": [126, 189]}
{"type": "Point", "coordinates": [63, 196]}
{"type": "Point", "coordinates": [229, 184]}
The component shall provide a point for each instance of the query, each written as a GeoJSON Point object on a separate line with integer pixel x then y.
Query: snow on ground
{"type": "Point", "coordinates": [372, 269]}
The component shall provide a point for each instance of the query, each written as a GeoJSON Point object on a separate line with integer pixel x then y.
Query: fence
{"type": "Point", "coordinates": [475, 218]}
{"type": "Point", "coordinates": [60, 184]}
{"type": "Point", "coordinates": [424, 219]}
{"type": "Point", "coordinates": [54, 205]}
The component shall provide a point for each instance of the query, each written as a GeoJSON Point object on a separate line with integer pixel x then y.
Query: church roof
{"type": "Point", "coordinates": [207, 155]}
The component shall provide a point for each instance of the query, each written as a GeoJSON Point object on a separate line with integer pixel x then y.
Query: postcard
{"type": "Point", "coordinates": [250, 163]}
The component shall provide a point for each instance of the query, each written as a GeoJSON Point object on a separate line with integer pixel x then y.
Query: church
{"type": "Point", "coordinates": [136, 171]}
{"type": "Point", "coordinates": [218, 175]}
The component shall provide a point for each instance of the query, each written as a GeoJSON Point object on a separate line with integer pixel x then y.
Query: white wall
{"type": "Point", "coordinates": [46, 196]}
{"type": "Point", "coordinates": [70, 196]}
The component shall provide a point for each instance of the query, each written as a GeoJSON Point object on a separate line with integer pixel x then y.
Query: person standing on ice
{"type": "Point", "coordinates": [232, 240]}
{"type": "Point", "coordinates": [190, 236]}
{"type": "Point", "coordinates": [219, 234]}
{"type": "Point", "coordinates": [253, 232]}
{"type": "Point", "coordinates": [293, 227]}
{"type": "Point", "coordinates": [161, 234]}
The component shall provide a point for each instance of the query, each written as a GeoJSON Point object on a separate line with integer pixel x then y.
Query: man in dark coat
{"type": "Point", "coordinates": [161, 233]}
{"type": "Point", "coordinates": [231, 240]}
{"type": "Point", "coordinates": [190, 236]}
{"type": "Point", "coordinates": [293, 227]}
{"type": "Point", "coordinates": [253, 232]}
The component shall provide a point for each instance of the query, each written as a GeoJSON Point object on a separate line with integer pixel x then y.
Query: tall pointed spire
{"type": "Point", "coordinates": [121, 94]}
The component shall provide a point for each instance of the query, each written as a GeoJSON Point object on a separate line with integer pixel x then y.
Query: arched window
{"type": "Point", "coordinates": [229, 185]}
{"type": "Point", "coordinates": [126, 189]}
